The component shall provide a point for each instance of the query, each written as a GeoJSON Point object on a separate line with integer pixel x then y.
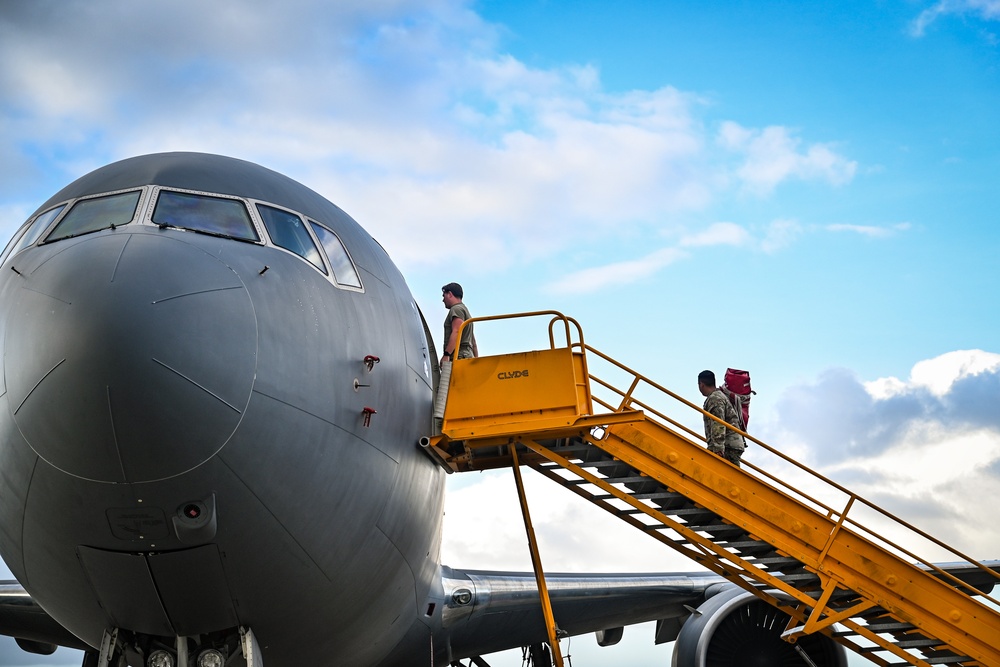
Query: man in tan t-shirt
{"type": "Point", "coordinates": [458, 313]}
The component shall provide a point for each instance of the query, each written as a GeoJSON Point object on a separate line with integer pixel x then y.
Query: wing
{"type": "Point", "coordinates": [35, 631]}
{"type": "Point", "coordinates": [982, 578]}
{"type": "Point", "coordinates": [493, 611]}
{"type": "Point", "coordinates": [487, 612]}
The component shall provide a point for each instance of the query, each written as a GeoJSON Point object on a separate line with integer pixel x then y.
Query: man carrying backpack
{"type": "Point", "coordinates": [722, 441]}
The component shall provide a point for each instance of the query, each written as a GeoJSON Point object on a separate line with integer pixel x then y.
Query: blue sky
{"type": "Point", "coordinates": [807, 190]}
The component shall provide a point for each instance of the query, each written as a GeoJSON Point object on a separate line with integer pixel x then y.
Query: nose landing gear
{"type": "Point", "coordinates": [236, 648]}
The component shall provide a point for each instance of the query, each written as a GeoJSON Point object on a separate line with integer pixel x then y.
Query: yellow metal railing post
{"type": "Point", "coordinates": [536, 563]}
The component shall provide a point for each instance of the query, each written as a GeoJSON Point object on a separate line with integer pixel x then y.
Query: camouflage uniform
{"type": "Point", "coordinates": [722, 441]}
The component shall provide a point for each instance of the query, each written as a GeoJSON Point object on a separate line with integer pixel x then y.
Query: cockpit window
{"type": "Point", "coordinates": [31, 232]}
{"type": "Point", "coordinates": [343, 268]}
{"type": "Point", "coordinates": [91, 215]}
{"type": "Point", "coordinates": [218, 216]}
{"type": "Point", "coordinates": [287, 231]}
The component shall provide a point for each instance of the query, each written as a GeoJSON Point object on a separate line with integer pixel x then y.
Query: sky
{"type": "Point", "coordinates": [806, 190]}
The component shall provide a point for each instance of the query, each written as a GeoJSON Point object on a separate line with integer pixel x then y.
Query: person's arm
{"type": "Point", "coordinates": [716, 431]}
{"type": "Point", "coordinates": [451, 347]}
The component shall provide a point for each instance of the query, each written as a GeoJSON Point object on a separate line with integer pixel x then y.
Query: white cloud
{"type": "Point", "coordinates": [987, 10]}
{"type": "Point", "coordinates": [773, 155]}
{"type": "Point", "coordinates": [937, 375]}
{"type": "Point", "coordinates": [934, 478]}
{"type": "Point", "coordinates": [780, 234]}
{"type": "Point", "coordinates": [840, 415]}
{"type": "Point", "coordinates": [617, 274]}
{"type": "Point", "coordinates": [484, 530]}
{"type": "Point", "coordinates": [719, 233]}
{"type": "Point", "coordinates": [929, 446]}
{"type": "Point", "coordinates": [870, 230]}
{"type": "Point", "coordinates": [630, 271]}
{"type": "Point", "coordinates": [404, 113]}
{"type": "Point", "coordinates": [915, 447]}
{"type": "Point", "coordinates": [776, 236]}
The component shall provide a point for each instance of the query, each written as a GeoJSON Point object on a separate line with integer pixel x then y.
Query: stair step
{"type": "Point", "coordinates": [612, 480]}
{"type": "Point", "coordinates": [776, 561]}
{"type": "Point", "coordinates": [747, 546]}
{"type": "Point", "coordinates": [948, 660]}
{"type": "Point", "coordinates": [896, 626]}
{"type": "Point", "coordinates": [870, 649]}
{"type": "Point", "coordinates": [688, 511]}
{"type": "Point", "coordinates": [600, 463]}
{"type": "Point", "coordinates": [918, 643]}
{"type": "Point", "coordinates": [638, 496]}
{"type": "Point", "coordinates": [655, 495]}
{"type": "Point", "coordinates": [717, 528]}
{"type": "Point", "coordinates": [800, 577]}
{"type": "Point", "coordinates": [923, 643]}
{"type": "Point", "coordinates": [638, 479]}
{"type": "Point", "coordinates": [899, 630]}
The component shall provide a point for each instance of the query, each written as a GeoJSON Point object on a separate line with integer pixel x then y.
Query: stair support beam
{"type": "Point", "coordinates": [551, 628]}
{"type": "Point", "coordinates": [817, 621]}
{"type": "Point", "coordinates": [836, 529]}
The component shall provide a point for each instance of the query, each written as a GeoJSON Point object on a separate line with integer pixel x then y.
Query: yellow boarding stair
{"type": "Point", "coordinates": [795, 550]}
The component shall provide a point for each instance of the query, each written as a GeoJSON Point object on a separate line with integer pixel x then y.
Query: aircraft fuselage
{"type": "Point", "coordinates": [184, 441]}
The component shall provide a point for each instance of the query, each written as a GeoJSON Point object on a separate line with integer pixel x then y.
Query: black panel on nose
{"type": "Point", "coordinates": [130, 356]}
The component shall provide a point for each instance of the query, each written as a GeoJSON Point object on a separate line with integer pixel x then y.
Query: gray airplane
{"type": "Point", "coordinates": [214, 382]}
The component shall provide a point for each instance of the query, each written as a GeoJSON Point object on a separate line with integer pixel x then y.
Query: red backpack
{"type": "Point", "coordinates": [736, 387]}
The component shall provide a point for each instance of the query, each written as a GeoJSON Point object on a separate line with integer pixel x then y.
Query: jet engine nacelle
{"type": "Point", "coordinates": [735, 627]}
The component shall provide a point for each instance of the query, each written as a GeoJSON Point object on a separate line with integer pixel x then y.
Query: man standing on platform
{"type": "Point", "coordinates": [458, 313]}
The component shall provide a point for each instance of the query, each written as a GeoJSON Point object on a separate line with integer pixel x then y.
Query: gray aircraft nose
{"type": "Point", "coordinates": [129, 357]}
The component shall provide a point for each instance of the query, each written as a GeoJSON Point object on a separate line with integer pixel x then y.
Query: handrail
{"type": "Point", "coordinates": [629, 401]}
{"type": "Point", "coordinates": [556, 316]}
